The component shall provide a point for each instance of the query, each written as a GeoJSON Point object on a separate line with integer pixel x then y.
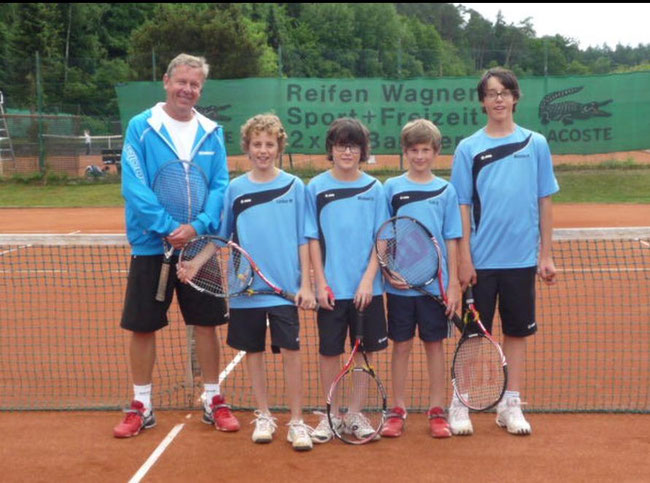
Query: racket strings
{"type": "Point", "coordinates": [478, 372]}
{"type": "Point", "coordinates": [211, 260]}
{"type": "Point", "coordinates": [408, 251]}
{"type": "Point", "coordinates": [182, 190]}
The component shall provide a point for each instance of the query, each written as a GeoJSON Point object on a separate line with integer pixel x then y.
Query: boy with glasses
{"type": "Point", "coordinates": [503, 175]}
{"type": "Point", "coordinates": [345, 207]}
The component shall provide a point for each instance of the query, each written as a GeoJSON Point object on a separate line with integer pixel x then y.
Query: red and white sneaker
{"type": "Point", "coordinates": [134, 421]}
{"type": "Point", "coordinates": [438, 423]}
{"type": "Point", "coordinates": [220, 415]}
{"type": "Point", "coordinates": [395, 422]}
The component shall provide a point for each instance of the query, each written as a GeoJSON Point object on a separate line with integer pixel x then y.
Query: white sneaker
{"type": "Point", "coordinates": [264, 427]}
{"type": "Point", "coordinates": [458, 418]}
{"type": "Point", "coordinates": [299, 436]}
{"type": "Point", "coordinates": [509, 416]}
{"type": "Point", "coordinates": [323, 432]}
{"type": "Point", "coordinates": [358, 424]}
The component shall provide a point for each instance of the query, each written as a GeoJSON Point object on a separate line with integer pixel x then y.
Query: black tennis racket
{"type": "Point", "coordinates": [182, 189]}
{"type": "Point", "coordinates": [479, 372]}
{"type": "Point", "coordinates": [409, 253]}
{"type": "Point", "coordinates": [222, 268]}
{"type": "Point", "coordinates": [356, 401]}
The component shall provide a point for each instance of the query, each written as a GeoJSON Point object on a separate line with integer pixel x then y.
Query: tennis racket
{"type": "Point", "coordinates": [479, 372]}
{"type": "Point", "coordinates": [356, 401]}
{"type": "Point", "coordinates": [222, 268]}
{"type": "Point", "coordinates": [409, 253]}
{"type": "Point", "coordinates": [182, 189]}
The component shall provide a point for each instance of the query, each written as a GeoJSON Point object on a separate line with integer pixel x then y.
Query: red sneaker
{"type": "Point", "coordinates": [220, 415]}
{"type": "Point", "coordinates": [394, 424]}
{"type": "Point", "coordinates": [134, 421]}
{"type": "Point", "coordinates": [438, 423]}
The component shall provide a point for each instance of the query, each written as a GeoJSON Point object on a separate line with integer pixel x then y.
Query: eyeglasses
{"type": "Point", "coordinates": [505, 94]}
{"type": "Point", "coordinates": [341, 148]}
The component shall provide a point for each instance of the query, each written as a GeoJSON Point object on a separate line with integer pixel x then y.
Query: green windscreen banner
{"type": "Point", "coordinates": [577, 114]}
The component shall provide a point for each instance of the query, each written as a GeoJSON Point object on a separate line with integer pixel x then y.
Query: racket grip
{"type": "Point", "coordinates": [469, 295]}
{"type": "Point", "coordinates": [292, 296]}
{"type": "Point", "coordinates": [162, 282]}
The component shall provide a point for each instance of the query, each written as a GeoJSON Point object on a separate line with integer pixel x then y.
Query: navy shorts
{"type": "Point", "coordinates": [405, 313]}
{"type": "Point", "coordinates": [143, 313]}
{"type": "Point", "coordinates": [334, 325]}
{"type": "Point", "coordinates": [247, 328]}
{"type": "Point", "coordinates": [514, 288]}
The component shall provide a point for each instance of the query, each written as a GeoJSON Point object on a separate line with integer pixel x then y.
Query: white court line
{"type": "Point", "coordinates": [229, 368]}
{"type": "Point", "coordinates": [156, 454]}
{"type": "Point", "coordinates": [14, 249]}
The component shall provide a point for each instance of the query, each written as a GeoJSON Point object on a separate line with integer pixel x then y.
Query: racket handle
{"type": "Point", "coordinates": [469, 295]}
{"type": "Point", "coordinates": [162, 282]}
{"type": "Point", "coordinates": [292, 296]}
{"type": "Point", "coordinates": [358, 325]}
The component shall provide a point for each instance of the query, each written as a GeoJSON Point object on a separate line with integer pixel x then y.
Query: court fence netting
{"type": "Point", "coordinates": [61, 347]}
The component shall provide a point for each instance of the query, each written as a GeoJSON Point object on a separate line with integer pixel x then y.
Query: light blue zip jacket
{"type": "Point", "coordinates": [147, 147]}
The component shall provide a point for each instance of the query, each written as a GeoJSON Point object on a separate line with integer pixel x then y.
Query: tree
{"type": "Point", "coordinates": [479, 38]}
{"type": "Point", "coordinates": [234, 45]}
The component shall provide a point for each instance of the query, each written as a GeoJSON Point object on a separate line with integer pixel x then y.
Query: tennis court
{"type": "Point", "coordinates": [61, 351]}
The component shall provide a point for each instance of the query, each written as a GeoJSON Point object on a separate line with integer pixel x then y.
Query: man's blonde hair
{"type": "Point", "coordinates": [269, 123]}
{"type": "Point", "coordinates": [421, 131]}
{"type": "Point", "coordinates": [190, 61]}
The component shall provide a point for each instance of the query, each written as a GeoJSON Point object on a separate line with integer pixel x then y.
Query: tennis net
{"type": "Point", "coordinates": [61, 346]}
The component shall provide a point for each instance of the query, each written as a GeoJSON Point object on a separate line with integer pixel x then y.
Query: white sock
{"type": "Point", "coordinates": [209, 391]}
{"type": "Point", "coordinates": [143, 394]}
{"type": "Point", "coordinates": [455, 401]}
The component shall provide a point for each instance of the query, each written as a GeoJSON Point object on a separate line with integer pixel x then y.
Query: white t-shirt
{"type": "Point", "coordinates": [182, 134]}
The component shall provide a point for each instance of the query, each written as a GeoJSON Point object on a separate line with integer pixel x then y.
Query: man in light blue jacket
{"type": "Point", "coordinates": [171, 130]}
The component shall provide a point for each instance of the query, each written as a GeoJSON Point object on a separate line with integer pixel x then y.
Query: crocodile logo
{"type": "Point", "coordinates": [215, 112]}
{"type": "Point", "coordinates": [569, 111]}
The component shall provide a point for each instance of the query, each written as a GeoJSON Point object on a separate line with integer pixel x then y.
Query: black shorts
{"type": "Point", "coordinates": [333, 326]}
{"type": "Point", "coordinates": [405, 313]}
{"type": "Point", "coordinates": [143, 313]}
{"type": "Point", "coordinates": [247, 328]}
{"type": "Point", "coordinates": [515, 290]}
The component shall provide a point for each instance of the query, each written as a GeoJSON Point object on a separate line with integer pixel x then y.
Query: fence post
{"type": "Point", "coordinates": [39, 111]}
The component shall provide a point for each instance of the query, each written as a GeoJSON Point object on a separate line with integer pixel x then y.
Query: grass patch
{"type": "Point", "coordinates": [603, 186]}
{"type": "Point", "coordinates": [609, 182]}
{"type": "Point", "coordinates": [60, 195]}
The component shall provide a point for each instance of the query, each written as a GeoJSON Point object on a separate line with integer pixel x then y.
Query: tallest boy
{"type": "Point", "coordinates": [504, 178]}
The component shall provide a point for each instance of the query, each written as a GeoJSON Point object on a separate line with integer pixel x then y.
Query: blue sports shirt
{"type": "Point", "coordinates": [267, 220]}
{"type": "Point", "coordinates": [502, 180]}
{"type": "Point", "coordinates": [344, 216]}
{"type": "Point", "coordinates": [435, 205]}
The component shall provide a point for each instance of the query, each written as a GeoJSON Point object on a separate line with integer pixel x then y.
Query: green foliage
{"type": "Point", "coordinates": [235, 46]}
{"type": "Point", "coordinates": [86, 48]}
